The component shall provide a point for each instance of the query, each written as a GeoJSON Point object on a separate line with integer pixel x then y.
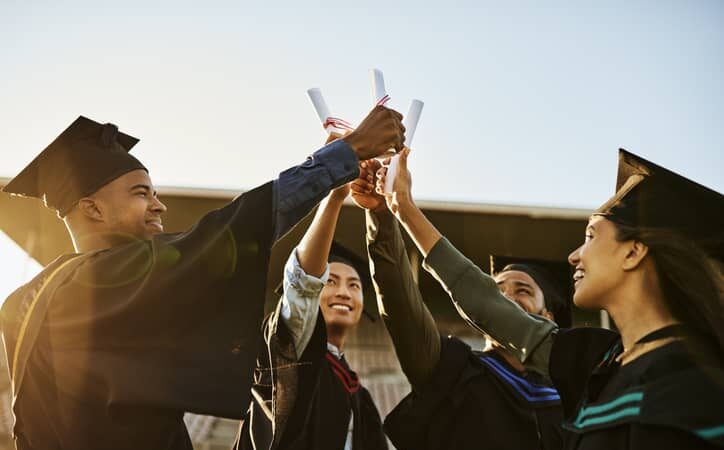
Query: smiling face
{"type": "Point", "coordinates": [520, 288]}
{"type": "Point", "coordinates": [129, 206]}
{"type": "Point", "coordinates": [599, 264]}
{"type": "Point", "coordinates": [342, 297]}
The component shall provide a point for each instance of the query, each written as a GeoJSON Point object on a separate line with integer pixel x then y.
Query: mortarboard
{"type": "Point", "coordinates": [84, 157]}
{"type": "Point", "coordinates": [650, 196]}
{"type": "Point", "coordinates": [553, 277]}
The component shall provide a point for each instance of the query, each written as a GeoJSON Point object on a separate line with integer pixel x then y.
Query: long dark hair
{"type": "Point", "coordinates": [692, 282]}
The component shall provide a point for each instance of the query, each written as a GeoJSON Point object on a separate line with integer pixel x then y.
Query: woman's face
{"type": "Point", "coordinates": [598, 264]}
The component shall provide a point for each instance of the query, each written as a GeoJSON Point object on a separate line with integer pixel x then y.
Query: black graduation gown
{"type": "Point", "coordinates": [135, 333]}
{"type": "Point", "coordinates": [476, 400]}
{"type": "Point", "coordinates": [306, 404]}
{"type": "Point", "coordinates": [669, 398]}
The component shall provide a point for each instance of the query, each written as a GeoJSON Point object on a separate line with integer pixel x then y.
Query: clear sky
{"type": "Point", "coordinates": [526, 102]}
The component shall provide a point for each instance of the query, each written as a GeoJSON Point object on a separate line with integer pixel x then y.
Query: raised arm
{"type": "Point", "coordinates": [307, 271]}
{"type": "Point", "coordinates": [300, 188]}
{"type": "Point", "coordinates": [409, 322]}
{"type": "Point", "coordinates": [475, 294]}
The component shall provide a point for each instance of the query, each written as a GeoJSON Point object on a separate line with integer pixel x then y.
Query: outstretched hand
{"type": "Point", "coordinates": [363, 188]}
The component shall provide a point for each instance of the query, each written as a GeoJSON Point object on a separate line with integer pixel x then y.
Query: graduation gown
{"type": "Point", "coordinates": [134, 334]}
{"type": "Point", "coordinates": [671, 397]}
{"type": "Point", "coordinates": [476, 400]}
{"type": "Point", "coordinates": [306, 404]}
{"type": "Point", "coordinates": [137, 334]}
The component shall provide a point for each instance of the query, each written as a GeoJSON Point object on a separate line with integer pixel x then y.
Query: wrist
{"type": "Point", "coordinates": [381, 211]}
{"type": "Point", "coordinates": [405, 205]}
{"type": "Point", "coordinates": [356, 144]}
{"type": "Point", "coordinates": [335, 200]}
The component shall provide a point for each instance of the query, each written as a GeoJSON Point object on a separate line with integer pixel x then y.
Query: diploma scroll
{"type": "Point", "coordinates": [380, 97]}
{"type": "Point", "coordinates": [331, 124]}
{"type": "Point", "coordinates": [379, 93]}
{"type": "Point", "coordinates": [410, 124]}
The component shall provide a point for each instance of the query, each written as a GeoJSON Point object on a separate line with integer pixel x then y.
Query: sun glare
{"type": "Point", "coordinates": [16, 266]}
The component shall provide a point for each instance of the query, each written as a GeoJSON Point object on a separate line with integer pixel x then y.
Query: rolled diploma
{"type": "Point", "coordinates": [379, 93]}
{"type": "Point", "coordinates": [379, 97]}
{"type": "Point", "coordinates": [320, 106]}
{"type": "Point", "coordinates": [410, 124]}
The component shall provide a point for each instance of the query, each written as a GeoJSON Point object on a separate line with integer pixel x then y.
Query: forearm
{"type": "Point", "coordinates": [409, 322]}
{"type": "Point", "coordinates": [299, 189]}
{"type": "Point", "coordinates": [421, 230]}
{"type": "Point", "coordinates": [479, 301]}
{"type": "Point", "coordinates": [313, 249]}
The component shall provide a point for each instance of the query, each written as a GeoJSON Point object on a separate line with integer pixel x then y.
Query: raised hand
{"type": "Point", "coordinates": [380, 131]}
{"type": "Point", "coordinates": [363, 188]}
{"type": "Point", "coordinates": [401, 194]}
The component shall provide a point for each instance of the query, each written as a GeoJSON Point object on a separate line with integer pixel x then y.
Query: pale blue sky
{"type": "Point", "coordinates": [525, 104]}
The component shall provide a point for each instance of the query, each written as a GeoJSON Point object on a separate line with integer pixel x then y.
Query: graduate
{"type": "Point", "coordinates": [306, 396]}
{"type": "Point", "coordinates": [109, 346]}
{"type": "Point", "coordinates": [652, 259]}
{"type": "Point", "coordinates": [462, 398]}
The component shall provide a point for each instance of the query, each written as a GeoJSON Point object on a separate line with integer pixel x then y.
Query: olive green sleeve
{"type": "Point", "coordinates": [409, 322]}
{"type": "Point", "coordinates": [479, 301]}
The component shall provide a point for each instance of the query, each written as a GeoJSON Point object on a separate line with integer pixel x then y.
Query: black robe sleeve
{"type": "Point", "coordinates": [169, 323]}
{"type": "Point", "coordinates": [130, 337]}
{"type": "Point", "coordinates": [173, 322]}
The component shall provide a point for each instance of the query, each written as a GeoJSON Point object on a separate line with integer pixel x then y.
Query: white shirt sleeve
{"type": "Point", "coordinates": [300, 301]}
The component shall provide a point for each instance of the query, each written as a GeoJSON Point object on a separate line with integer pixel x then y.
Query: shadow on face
{"type": "Point", "coordinates": [129, 206]}
{"type": "Point", "coordinates": [520, 288]}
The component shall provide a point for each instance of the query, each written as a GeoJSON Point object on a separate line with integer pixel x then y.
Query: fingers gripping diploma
{"type": "Point", "coordinates": [363, 188]}
{"type": "Point", "coordinates": [410, 124]}
{"type": "Point", "coordinates": [380, 131]}
{"type": "Point", "coordinates": [402, 185]}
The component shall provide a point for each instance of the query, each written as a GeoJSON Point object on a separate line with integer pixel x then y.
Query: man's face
{"type": "Point", "coordinates": [129, 206]}
{"type": "Point", "coordinates": [520, 288]}
{"type": "Point", "coordinates": [342, 297]}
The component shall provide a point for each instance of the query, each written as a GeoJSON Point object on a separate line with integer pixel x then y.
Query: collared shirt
{"type": "Point", "coordinates": [300, 301]}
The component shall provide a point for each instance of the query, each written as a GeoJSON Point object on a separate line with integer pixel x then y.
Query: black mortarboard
{"type": "Point", "coordinates": [82, 159]}
{"type": "Point", "coordinates": [341, 254]}
{"type": "Point", "coordinates": [651, 196]}
{"type": "Point", "coordinates": [553, 277]}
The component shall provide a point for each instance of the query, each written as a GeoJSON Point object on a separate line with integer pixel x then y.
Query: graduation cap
{"type": "Point", "coordinates": [553, 277]}
{"type": "Point", "coordinates": [82, 159]}
{"type": "Point", "coordinates": [648, 195]}
{"type": "Point", "coordinates": [341, 254]}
